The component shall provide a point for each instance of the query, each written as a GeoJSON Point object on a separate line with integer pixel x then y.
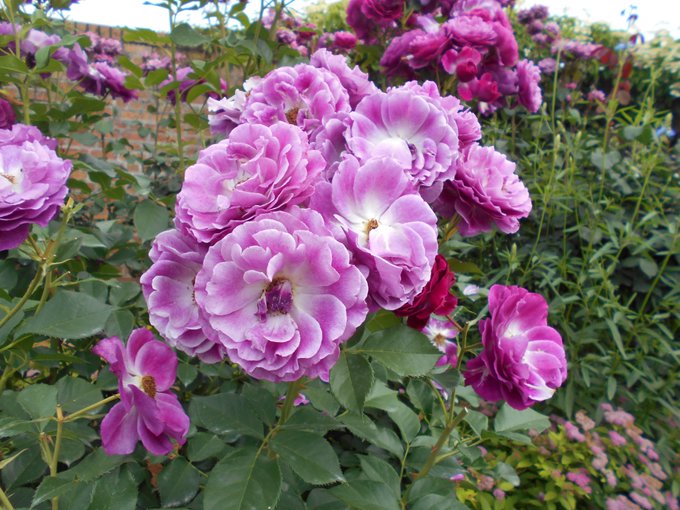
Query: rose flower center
{"type": "Point", "coordinates": [149, 385]}
{"type": "Point", "coordinates": [276, 299]}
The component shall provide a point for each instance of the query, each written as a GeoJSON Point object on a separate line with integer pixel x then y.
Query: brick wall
{"type": "Point", "coordinates": [129, 117]}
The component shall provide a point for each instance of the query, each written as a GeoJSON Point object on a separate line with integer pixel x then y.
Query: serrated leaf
{"type": "Point", "coordinates": [226, 412]}
{"type": "Point", "coordinates": [311, 420]}
{"type": "Point", "coordinates": [178, 483]}
{"type": "Point", "coordinates": [70, 315]}
{"type": "Point", "coordinates": [367, 495]}
{"type": "Point", "coordinates": [381, 437]}
{"type": "Point", "coordinates": [150, 219]}
{"type": "Point", "coordinates": [382, 397]}
{"type": "Point", "coordinates": [309, 455]}
{"type": "Point", "coordinates": [244, 480]}
{"type": "Point", "coordinates": [51, 487]}
{"type": "Point", "coordinates": [204, 445]}
{"type": "Point", "coordinates": [9, 460]}
{"type": "Point", "coordinates": [374, 468]}
{"type": "Point", "coordinates": [512, 420]}
{"type": "Point", "coordinates": [351, 380]}
{"type": "Point", "coordinates": [75, 393]}
{"type": "Point", "coordinates": [437, 502]}
{"type": "Point", "coordinates": [403, 350]}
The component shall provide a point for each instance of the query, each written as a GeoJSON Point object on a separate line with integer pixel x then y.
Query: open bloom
{"type": "Point", "coordinates": [388, 226]}
{"type": "Point", "coordinates": [485, 192]}
{"type": "Point", "coordinates": [354, 80]}
{"type": "Point", "coordinates": [281, 294]}
{"type": "Point", "coordinates": [147, 411]}
{"type": "Point", "coordinates": [411, 129]}
{"type": "Point", "coordinates": [435, 298]}
{"type": "Point", "coordinates": [168, 287]}
{"type": "Point", "coordinates": [442, 333]}
{"type": "Point", "coordinates": [32, 183]}
{"type": "Point", "coordinates": [523, 359]}
{"type": "Point", "coordinates": [304, 96]}
{"type": "Point", "coordinates": [256, 170]}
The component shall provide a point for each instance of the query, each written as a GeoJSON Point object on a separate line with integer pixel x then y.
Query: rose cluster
{"type": "Point", "coordinates": [475, 42]}
{"type": "Point", "coordinates": [99, 76]}
{"type": "Point", "coordinates": [319, 206]}
{"type": "Point", "coordinates": [291, 31]}
{"type": "Point", "coordinates": [32, 182]}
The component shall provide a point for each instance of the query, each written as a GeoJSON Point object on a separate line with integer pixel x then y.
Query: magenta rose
{"type": "Point", "coordinates": [435, 298]}
{"type": "Point", "coordinates": [382, 11]}
{"type": "Point", "coordinates": [485, 192]}
{"type": "Point", "coordinates": [7, 115]}
{"type": "Point", "coordinates": [523, 359]}
{"type": "Point", "coordinates": [282, 294]}
{"type": "Point", "coordinates": [529, 79]}
{"type": "Point", "coordinates": [148, 410]}
{"type": "Point", "coordinates": [256, 170]}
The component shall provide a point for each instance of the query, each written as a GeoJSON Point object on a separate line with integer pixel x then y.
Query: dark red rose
{"type": "Point", "coordinates": [7, 116]}
{"type": "Point", "coordinates": [435, 297]}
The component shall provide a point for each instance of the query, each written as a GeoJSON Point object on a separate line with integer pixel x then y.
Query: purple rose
{"type": "Point", "coordinates": [7, 115]}
{"type": "Point", "coordinates": [395, 58]}
{"type": "Point", "coordinates": [168, 287]}
{"type": "Point", "coordinates": [523, 359]}
{"type": "Point", "coordinates": [148, 411]}
{"type": "Point", "coordinates": [413, 130]}
{"type": "Point", "coordinates": [257, 169]}
{"type": "Point", "coordinates": [471, 31]}
{"type": "Point", "coordinates": [382, 11]}
{"type": "Point", "coordinates": [32, 183]}
{"type": "Point", "coordinates": [463, 64]}
{"type": "Point", "coordinates": [304, 96]}
{"type": "Point", "coordinates": [282, 295]}
{"type": "Point", "coordinates": [529, 79]}
{"type": "Point", "coordinates": [354, 80]}
{"type": "Point", "coordinates": [388, 226]}
{"type": "Point", "coordinates": [224, 115]}
{"type": "Point", "coordinates": [485, 192]}
{"type": "Point", "coordinates": [344, 40]}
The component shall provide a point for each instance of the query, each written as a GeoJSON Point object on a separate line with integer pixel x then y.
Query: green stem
{"type": "Point", "coordinates": [85, 410]}
{"type": "Point", "coordinates": [443, 438]}
{"type": "Point", "coordinates": [6, 504]}
{"type": "Point", "coordinates": [54, 462]}
{"type": "Point", "coordinates": [294, 388]}
{"type": "Point", "coordinates": [31, 289]}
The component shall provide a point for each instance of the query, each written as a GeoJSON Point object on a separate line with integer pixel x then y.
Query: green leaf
{"type": "Point", "coordinates": [178, 483]}
{"type": "Point", "coordinates": [367, 495]}
{"type": "Point", "coordinates": [39, 401]}
{"type": "Point", "coordinates": [25, 469]}
{"type": "Point", "coordinates": [309, 455]}
{"type": "Point", "coordinates": [351, 380]}
{"type": "Point", "coordinates": [51, 487]}
{"type": "Point", "coordinates": [375, 468]}
{"type": "Point", "coordinates": [244, 480]}
{"type": "Point", "coordinates": [403, 350]}
{"type": "Point", "coordinates": [478, 422]}
{"type": "Point", "coordinates": [226, 412]}
{"type": "Point", "coordinates": [382, 397]}
{"type": "Point", "coordinates": [512, 420]}
{"type": "Point", "coordinates": [363, 427]}
{"type": "Point", "coordinates": [203, 445]}
{"type": "Point", "coordinates": [311, 420]}
{"type": "Point", "coordinates": [75, 394]}
{"type": "Point", "coordinates": [185, 35]}
{"type": "Point", "coordinates": [116, 491]}
{"type": "Point", "coordinates": [150, 219]}
{"type": "Point", "coordinates": [70, 315]}
{"type": "Point", "coordinates": [120, 324]}
{"type": "Point", "coordinates": [7, 461]}
{"type": "Point", "coordinates": [437, 502]}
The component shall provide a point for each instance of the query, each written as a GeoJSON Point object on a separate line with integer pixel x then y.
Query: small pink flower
{"type": "Point", "coordinates": [147, 411]}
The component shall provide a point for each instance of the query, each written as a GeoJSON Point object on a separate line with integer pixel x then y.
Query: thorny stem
{"type": "Point", "coordinates": [54, 461]}
{"type": "Point", "coordinates": [85, 410]}
{"type": "Point", "coordinates": [443, 438]}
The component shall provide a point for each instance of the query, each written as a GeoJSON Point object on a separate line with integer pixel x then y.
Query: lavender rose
{"type": "Point", "coordinates": [529, 78]}
{"type": "Point", "coordinates": [282, 294]}
{"type": "Point", "coordinates": [388, 226]}
{"type": "Point", "coordinates": [168, 287]}
{"type": "Point", "coordinates": [257, 169]}
{"type": "Point", "coordinates": [32, 183]}
{"type": "Point", "coordinates": [485, 192]}
{"type": "Point", "coordinates": [354, 80]}
{"type": "Point", "coordinates": [411, 129]}
{"type": "Point", "coordinates": [523, 359]}
{"type": "Point", "coordinates": [304, 96]}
